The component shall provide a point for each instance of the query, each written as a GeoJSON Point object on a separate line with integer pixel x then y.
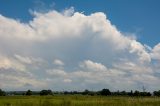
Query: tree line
{"type": "Point", "coordinates": [103, 92]}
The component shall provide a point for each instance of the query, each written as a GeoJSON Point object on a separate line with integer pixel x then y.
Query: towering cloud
{"type": "Point", "coordinates": [80, 51]}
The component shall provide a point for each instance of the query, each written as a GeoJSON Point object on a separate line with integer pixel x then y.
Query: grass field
{"type": "Point", "coordinates": [78, 100]}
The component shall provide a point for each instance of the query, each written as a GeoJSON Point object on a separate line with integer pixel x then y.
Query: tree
{"type": "Point", "coordinates": [136, 93]}
{"type": "Point", "coordinates": [123, 93]}
{"type": "Point", "coordinates": [2, 93]}
{"type": "Point", "coordinates": [85, 92]}
{"type": "Point", "coordinates": [105, 92]}
{"type": "Point", "coordinates": [29, 92]}
{"type": "Point", "coordinates": [46, 92]}
{"type": "Point", "coordinates": [130, 93]}
{"type": "Point", "coordinates": [156, 93]}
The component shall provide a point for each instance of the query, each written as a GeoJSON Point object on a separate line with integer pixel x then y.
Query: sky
{"type": "Point", "coordinates": [77, 45]}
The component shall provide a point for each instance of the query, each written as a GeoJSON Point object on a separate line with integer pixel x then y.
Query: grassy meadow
{"type": "Point", "coordinates": [78, 100]}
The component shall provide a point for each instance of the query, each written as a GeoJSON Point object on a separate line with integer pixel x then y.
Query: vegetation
{"type": "Point", "coordinates": [29, 93]}
{"type": "Point", "coordinates": [156, 93]}
{"type": "Point", "coordinates": [78, 100]}
{"type": "Point", "coordinates": [46, 92]}
{"type": "Point", "coordinates": [2, 93]}
{"type": "Point", "coordinates": [103, 97]}
{"type": "Point", "coordinates": [103, 92]}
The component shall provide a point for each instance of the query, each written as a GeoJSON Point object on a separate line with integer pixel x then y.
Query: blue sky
{"type": "Point", "coordinates": [140, 17]}
{"type": "Point", "coordinates": [77, 45]}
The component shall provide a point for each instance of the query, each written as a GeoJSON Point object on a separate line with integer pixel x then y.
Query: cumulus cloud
{"type": "Point", "coordinates": [89, 65]}
{"type": "Point", "coordinates": [10, 63]}
{"type": "Point", "coordinates": [155, 54]}
{"type": "Point", "coordinates": [67, 80]}
{"type": "Point", "coordinates": [15, 75]}
{"type": "Point", "coordinates": [58, 62]}
{"type": "Point", "coordinates": [29, 60]}
{"type": "Point", "coordinates": [57, 72]}
{"type": "Point", "coordinates": [95, 53]}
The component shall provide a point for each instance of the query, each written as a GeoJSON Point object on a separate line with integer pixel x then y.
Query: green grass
{"type": "Point", "coordinates": [78, 100]}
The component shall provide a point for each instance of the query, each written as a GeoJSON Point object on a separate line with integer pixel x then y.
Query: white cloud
{"type": "Point", "coordinates": [58, 62]}
{"type": "Point", "coordinates": [155, 54]}
{"type": "Point", "coordinates": [14, 29]}
{"type": "Point", "coordinates": [131, 67]}
{"type": "Point", "coordinates": [26, 60]}
{"type": "Point", "coordinates": [5, 63]}
{"type": "Point", "coordinates": [94, 52]}
{"type": "Point", "coordinates": [89, 65]}
{"type": "Point", "coordinates": [15, 82]}
{"type": "Point", "coordinates": [139, 50]}
{"type": "Point", "coordinates": [29, 60]}
{"type": "Point", "coordinates": [14, 74]}
{"type": "Point", "coordinates": [10, 63]}
{"type": "Point", "coordinates": [67, 80]}
{"type": "Point", "coordinates": [56, 73]}
{"type": "Point", "coordinates": [69, 11]}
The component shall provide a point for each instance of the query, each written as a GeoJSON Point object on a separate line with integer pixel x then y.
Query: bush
{"type": "Point", "coordinates": [46, 92]}
{"type": "Point", "coordinates": [2, 93]}
{"type": "Point", "coordinates": [29, 92]}
{"type": "Point", "coordinates": [156, 93]}
{"type": "Point", "coordinates": [105, 92]}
